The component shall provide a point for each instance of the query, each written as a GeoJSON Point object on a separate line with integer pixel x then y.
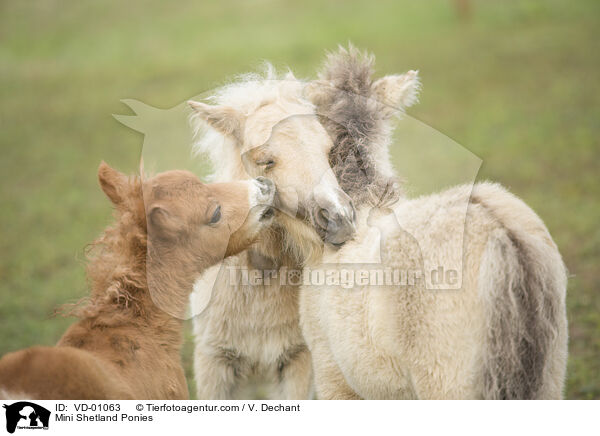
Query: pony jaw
{"type": "Point", "coordinates": [301, 239]}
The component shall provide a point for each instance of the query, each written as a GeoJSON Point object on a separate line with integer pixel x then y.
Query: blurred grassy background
{"type": "Point", "coordinates": [516, 83]}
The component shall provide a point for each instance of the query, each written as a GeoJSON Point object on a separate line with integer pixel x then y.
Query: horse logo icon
{"type": "Point", "coordinates": [26, 415]}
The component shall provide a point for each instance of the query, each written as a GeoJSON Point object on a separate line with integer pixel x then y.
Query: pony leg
{"type": "Point", "coordinates": [296, 377]}
{"type": "Point", "coordinates": [217, 377]}
{"type": "Point", "coordinates": [330, 383]}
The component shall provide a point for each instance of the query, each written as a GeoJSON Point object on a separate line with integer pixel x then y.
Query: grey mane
{"type": "Point", "coordinates": [354, 119]}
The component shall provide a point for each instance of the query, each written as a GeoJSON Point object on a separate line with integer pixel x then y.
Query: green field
{"type": "Point", "coordinates": [517, 84]}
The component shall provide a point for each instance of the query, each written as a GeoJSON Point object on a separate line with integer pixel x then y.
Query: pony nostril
{"type": "Point", "coordinates": [334, 227]}
{"type": "Point", "coordinates": [265, 185]}
{"type": "Point", "coordinates": [323, 218]}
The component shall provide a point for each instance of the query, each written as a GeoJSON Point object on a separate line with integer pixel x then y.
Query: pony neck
{"type": "Point", "coordinates": [125, 291]}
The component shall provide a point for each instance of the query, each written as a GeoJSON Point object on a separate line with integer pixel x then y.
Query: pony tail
{"type": "Point", "coordinates": [522, 293]}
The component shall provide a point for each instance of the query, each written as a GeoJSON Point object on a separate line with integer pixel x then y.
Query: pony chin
{"type": "Point", "coordinates": [300, 240]}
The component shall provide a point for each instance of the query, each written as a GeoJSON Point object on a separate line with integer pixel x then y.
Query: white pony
{"type": "Point", "coordinates": [261, 125]}
{"type": "Point", "coordinates": [503, 334]}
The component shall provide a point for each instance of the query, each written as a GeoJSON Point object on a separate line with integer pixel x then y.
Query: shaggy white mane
{"type": "Point", "coordinates": [247, 93]}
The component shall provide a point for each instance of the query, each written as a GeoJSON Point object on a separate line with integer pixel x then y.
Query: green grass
{"type": "Point", "coordinates": [517, 85]}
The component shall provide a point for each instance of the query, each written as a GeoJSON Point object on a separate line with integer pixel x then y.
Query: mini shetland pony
{"type": "Point", "coordinates": [502, 335]}
{"type": "Point", "coordinates": [264, 126]}
{"type": "Point", "coordinates": [126, 345]}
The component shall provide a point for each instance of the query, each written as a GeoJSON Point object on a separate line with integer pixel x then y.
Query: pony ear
{"type": "Point", "coordinates": [225, 119]}
{"type": "Point", "coordinates": [399, 90]}
{"type": "Point", "coordinates": [112, 182]}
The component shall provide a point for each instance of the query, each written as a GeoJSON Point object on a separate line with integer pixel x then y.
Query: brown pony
{"type": "Point", "coordinates": [126, 344]}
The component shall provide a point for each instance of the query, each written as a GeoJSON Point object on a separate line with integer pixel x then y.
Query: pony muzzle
{"type": "Point", "coordinates": [262, 196]}
{"type": "Point", "coordinates": [335, 221]}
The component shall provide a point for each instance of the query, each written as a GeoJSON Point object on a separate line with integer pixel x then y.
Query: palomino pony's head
{"type": "Point", "coordinates": [264, 127]}
{"type": "Point", "coordinates": [358, 112]}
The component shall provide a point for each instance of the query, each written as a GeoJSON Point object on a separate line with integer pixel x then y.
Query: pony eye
{"type": "Point", "coordinates": [216, 217]}
{"type": "Point", "coordinates": [268, 163]}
